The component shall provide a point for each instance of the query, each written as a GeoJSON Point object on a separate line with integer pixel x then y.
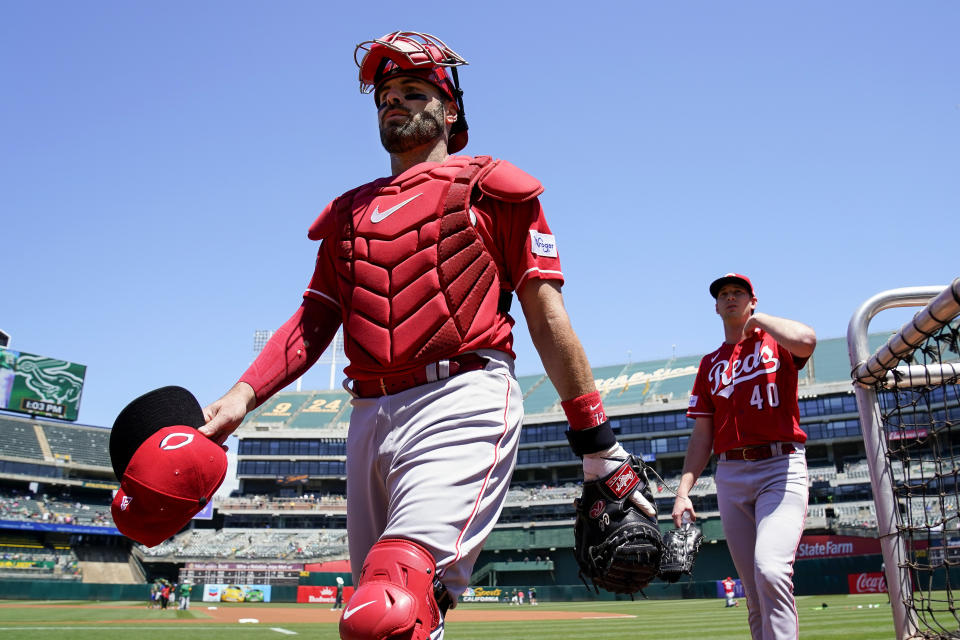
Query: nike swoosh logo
{"type": "Point", "coordinates": [378, 216]}
{"type": "Point", "coordinates": [596, 406]}
{"type": "Point", "coordinates": [349, 612]}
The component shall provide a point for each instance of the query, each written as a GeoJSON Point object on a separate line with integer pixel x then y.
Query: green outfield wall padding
{"type": "Point", "coordinates": [319, 579]}
{"type": "Point", "coordinates": [284, 593]}
{"type": "Point", "coordinates": [61, 590]}
{"type": "Point", "coordinates": [513, 540]}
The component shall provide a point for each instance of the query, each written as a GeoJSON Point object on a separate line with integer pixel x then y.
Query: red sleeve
{"type": "Point", "coordinates": [323, 284]}
{"type": "Point", "coordinates": [701, 402]}
{"type": "Point", "coordinates": [798, 362]}
{"type": "Point", "coordinates": [292, 349]}
{"type": "Point", "coordinates": [518, 237]}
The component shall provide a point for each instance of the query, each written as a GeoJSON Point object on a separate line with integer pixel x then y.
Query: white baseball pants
{"type": "Point", "coordinates": [763, 507]}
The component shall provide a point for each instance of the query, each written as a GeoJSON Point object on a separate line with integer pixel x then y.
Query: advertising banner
{"type": "Point", "coordinates": [245, 566]}
{"type": "Point", "coordinates": [40, 386]}
{"type": "Point", "coordinates": [236, 592]}
{"type": "Point", "coordinates": [322, 594]}
{"type": "Point", "coordinates": [29, 525]}
{"type": "Point", "coordinates": [206, 513]}
{"type": "Point", "coordinates": [818, 547]}
{"type": "Point", "coordinates": [482, 594]}
{"type": "Point", "coordinates": [873, 582]}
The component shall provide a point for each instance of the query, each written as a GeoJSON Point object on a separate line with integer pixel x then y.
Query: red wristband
{"type": "Point", "coordinates": [584, 412]}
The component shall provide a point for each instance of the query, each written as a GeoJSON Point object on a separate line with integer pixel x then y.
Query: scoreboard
{"type": "Point", "coordinates": [40, 386]}
{"type": "Point", "coordinates": [272, 573]}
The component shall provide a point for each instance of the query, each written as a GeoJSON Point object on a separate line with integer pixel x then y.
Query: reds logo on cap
{"type": "Point", "coordinates": [623, 481]}
{"type": "Point", "coordinates": [159, 495]}
{"type": "Point", "coordinates": [170, 443]}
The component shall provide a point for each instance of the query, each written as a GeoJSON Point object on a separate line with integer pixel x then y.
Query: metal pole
{"type": "Point", "coordinates": [892, 546]}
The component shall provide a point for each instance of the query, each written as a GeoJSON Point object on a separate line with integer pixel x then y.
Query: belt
{"type": "Point", "coordinates": [432, 372]}
{"type": "Point", "coordinates": [761, 452]}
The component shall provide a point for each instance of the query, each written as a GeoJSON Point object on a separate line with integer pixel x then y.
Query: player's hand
{"type": "Point", "coordinates": [752, 326]}
{"type": "Point", "coordinates": [225, 415]}
{"type": "Point", "coordinates": [603, 463]}
{"type": "Point", "coordinates": [683, 506]}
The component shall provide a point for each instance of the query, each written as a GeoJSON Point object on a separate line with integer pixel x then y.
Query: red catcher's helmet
{"type": "Point", "coordinates": [420, 55]}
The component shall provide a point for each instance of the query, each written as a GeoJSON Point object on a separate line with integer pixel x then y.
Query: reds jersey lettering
{"type": "Point", "coordinates": [725, 375]}
{"type": "Point", "coordinates": [749, 390]}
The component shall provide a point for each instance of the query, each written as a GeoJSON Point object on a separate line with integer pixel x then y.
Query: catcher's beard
{"type": "Point", "coordinates": [423, 128]}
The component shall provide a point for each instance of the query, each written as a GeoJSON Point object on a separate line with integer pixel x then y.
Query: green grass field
{"type": "Point", "coordinates": [848, 617]}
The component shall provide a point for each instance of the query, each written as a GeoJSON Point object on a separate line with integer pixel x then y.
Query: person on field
{"type": "Point", "coordinates": [420, 268]}
{"type": "Point", "coordinates": [744, 404]}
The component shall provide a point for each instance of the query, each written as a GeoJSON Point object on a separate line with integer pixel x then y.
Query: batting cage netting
{"type": "Point", "coordinates": [908, 396]}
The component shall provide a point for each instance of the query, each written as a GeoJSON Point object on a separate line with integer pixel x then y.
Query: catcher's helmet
{"type": "Point", "coordinates": [420, 55]}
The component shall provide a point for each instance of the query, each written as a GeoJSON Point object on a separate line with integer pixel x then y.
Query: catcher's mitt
{"type": "Point", "coordinates": [617, 546]}
{"type": "Point", "coordinates": [680, 547]}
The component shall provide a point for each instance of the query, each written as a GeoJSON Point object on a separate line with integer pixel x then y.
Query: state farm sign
{"type": "Point", "coordinates": [811, 547]}
{"type": "Point", "coordinates": [867, 582]}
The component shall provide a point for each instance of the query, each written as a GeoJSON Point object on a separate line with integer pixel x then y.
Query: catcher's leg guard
{"type": "Point", "coordinates": [394, 599]}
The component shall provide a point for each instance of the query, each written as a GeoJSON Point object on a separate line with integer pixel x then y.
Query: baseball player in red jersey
{"type": "Point", "coordinates": [419, 267]}
{"type": "Point", "coordinates": [730, 590]}
{"type": "Point", "coordinates": [744, 404]}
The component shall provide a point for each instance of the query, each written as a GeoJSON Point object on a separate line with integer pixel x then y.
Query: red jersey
{"type": "Point", "coordinates": [514, 234]}
{"type": "Point", "coordinates": [750, 391]}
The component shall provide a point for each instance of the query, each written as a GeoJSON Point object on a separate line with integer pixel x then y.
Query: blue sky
{"type": "Point", "coordinates": [161, 162]}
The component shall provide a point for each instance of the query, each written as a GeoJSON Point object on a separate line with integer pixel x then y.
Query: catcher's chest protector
{"type": "Point", "coordinates": [415, 278]}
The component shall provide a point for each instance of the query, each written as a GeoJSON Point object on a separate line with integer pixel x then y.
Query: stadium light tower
{"type": "Point", "coordinates": [260, 338]}
{"type": "Point", "coordinates": [332, 355]}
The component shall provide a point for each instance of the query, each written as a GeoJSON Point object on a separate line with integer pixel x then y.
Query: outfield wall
{"type": "Point", "coordinates": [812, 577]}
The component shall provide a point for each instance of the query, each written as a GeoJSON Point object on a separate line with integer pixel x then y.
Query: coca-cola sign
{"type": "Point", "coordinates": [873, 582]}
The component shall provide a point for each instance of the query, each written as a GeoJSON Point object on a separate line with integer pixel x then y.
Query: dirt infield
{"type": "Point", "coordinates": [265, 614]}
{"type": "Point", "coordinates": [277, 615]}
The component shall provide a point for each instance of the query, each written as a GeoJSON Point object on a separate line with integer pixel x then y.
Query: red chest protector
{"type": "Point", "coordinates": [416, 282]}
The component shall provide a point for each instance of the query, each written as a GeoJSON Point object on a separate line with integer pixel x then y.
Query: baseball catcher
{"type": "Point", "coordinates": [680, 548]}
{"type": "Point", "coordinates": [617, 545]}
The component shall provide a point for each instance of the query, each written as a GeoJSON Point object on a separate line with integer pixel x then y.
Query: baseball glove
{"type": "Point", "coordinates": [616, 545]}
{"type": "Point", "coordinates": [680, 547]}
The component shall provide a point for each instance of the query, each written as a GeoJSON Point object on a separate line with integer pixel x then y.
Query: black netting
{"type": "Point", "coordinates": [922, 429]}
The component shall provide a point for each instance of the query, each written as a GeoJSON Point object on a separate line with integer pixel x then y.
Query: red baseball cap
{"type": "Point", "coordinates": [168, 470]}
{"type": "Point", "coordinates": [731, 278]}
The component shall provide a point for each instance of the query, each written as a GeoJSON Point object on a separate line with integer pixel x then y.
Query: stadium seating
{"type": "Point", "coordinates": [78, 444]}
{"type": "Point", "coordinates": [539, 396]}
{"type": "Point", "coordinates": [656, 382]}
{"type": "Point", "coordinates": [25, 556]}
{"type": "Point", "coordinates": [253, 544]}
{"type": "Point", "coordinates": [19, 439]}
{"type": "Point", "coordinates": [323, 409]}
